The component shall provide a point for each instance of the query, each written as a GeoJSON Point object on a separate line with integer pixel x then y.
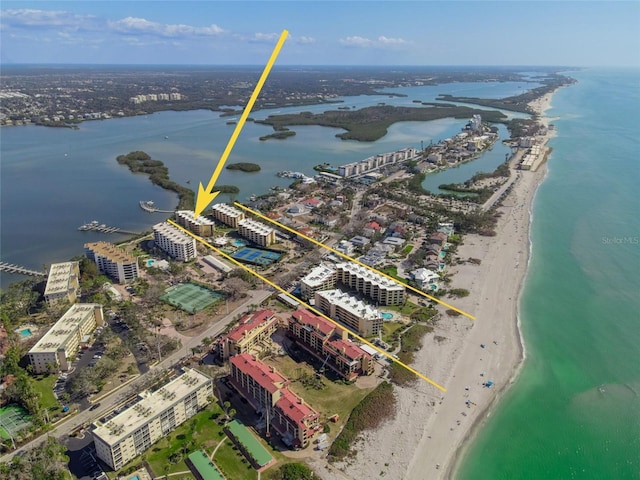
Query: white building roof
{"type": "Point", "coordinates": [226, 209]}
{"type": "Point", "coordinates": [255, 227]}
{"type": "Point", "coordinates": [190, 216]}
{"type": "Point", "coordinates": [350, 303]}
{"type": "Point", "coordinates": [175, 234]}
{"type": "Point", "coordinates": [59, 276]}
{"type": "Point", "coordinates": [318, 275]}
{"type": "Point", "coordinates": [58, 335]}
{"type": "Point", "coordinates": [367, 274]}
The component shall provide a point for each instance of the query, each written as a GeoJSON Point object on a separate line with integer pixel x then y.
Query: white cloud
{"type": "Point", "coordinates": [380, 42]}
{"type": "Point", "coordinates": [44, 18]}
{"type": "Point", "coordinates": [305, 39]}
{"type": "Point", "coordinates": [133, 25]}
{"type": "Point", "coordinates": [264, 37]}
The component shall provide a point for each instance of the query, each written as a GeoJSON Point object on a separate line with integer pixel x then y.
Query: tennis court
{"type": "Point", "coordinates": [190, 297]}
{"type": "Point", "coordinates": [256, 256]}
{"type": "Point", "coordinates": [12, 419]}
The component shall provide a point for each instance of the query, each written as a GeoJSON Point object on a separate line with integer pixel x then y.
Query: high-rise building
{"type": "Point", "coordinates": [157, 413]}
{"type": "Point", "coordinates": [63, 282]}
{"type": "Point", "coordinates": [201, 226]}
{"type": "Point", "coordinates": [113, 261]}
{"type": "Point", "coordinates": [257, 232]}
{"type": "Point", "coordinates": [380, 289]}
{"type": "Point", "coordinates": [358, 316]}
{"type": "Point", "coordinates": [175, 242]}
{"type": "Point", "coordinates": [251, 330]}
{"type": "Point", "coordinates": [227, 214]}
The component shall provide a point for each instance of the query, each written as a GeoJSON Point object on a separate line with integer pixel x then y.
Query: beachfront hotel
{"type": "Point", "coordinates": [227, 214]}
{"type": "Point", "coordinates": [174, 242]}
{"type": "Point", "coordinates": [380, 289]}
{"type": "Point", "coordinates": [250, 331]}
{"type": "Point", "coordinates": [323, 340]}
{"type": "Point", "coordinates": [157, 413]}
{"type": "Point", "coordinates": [201, 226]}
{"type": "Point", "coordinates": [63, 283]}
{"type": "Point", "coordinates": [113, 261]}
{"type": "Point", "coordinates": [63, 340]}
{"type": "Point", "coordinates": [321, 277]}
{"type": "Point", "coordinates": [256, 232]}
{"type": "Point", "coordinates": [266, 390]}
{"type": "Point", "coordinates": [356, 315]}
{"type": "Point", "coordinates": [372, 163]}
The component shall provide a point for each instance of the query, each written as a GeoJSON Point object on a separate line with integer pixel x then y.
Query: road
{"type": "Point", "coordinates": [108, 403]}
{"type": "Point", "coordinates": [513, 176]}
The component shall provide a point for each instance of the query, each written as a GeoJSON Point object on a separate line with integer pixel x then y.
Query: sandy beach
{"type": "Point", "coordinates": [431, 428]}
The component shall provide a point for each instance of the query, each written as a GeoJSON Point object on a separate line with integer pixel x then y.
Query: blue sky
{"type": "Point", "coordinates": [322, 33]}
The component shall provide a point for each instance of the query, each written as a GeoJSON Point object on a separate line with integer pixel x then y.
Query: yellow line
{"type": "Point", "coordinates": [247, 110]}
{"type": "Point", "coordinates": [419, 292]}
{"type": "Point", "coordinates": [309, 307]}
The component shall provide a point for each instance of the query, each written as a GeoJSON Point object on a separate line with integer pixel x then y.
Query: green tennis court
{"type": "Point", "coordinates": [190, 297]}
{"type": "Point", "coordinates": [12, 419]}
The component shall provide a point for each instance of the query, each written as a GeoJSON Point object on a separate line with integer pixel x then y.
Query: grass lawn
{"type": "Point", "coordinates": [334, 398]}
{"type": "Point", "coordinates": [405, 309]}
{"type": "Point", "coordinates": [388, 328]}
{"type": "Point", "coordinates": [232, 463]}
{"type": "Point", "coordinates": [407, 250]}
{"type": "Point", "coordinates": [44, 387]}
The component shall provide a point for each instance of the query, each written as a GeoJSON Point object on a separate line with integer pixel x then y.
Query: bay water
{"type": "Point", "coordinates": [574, 410]}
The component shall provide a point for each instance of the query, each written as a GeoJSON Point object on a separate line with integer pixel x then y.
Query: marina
{"type": "Point", "coordinates": [149, 207]}
{"type": "Point", "coordinates": [95, 226]}
{"type": "Point", "coordinates": [11, 268]}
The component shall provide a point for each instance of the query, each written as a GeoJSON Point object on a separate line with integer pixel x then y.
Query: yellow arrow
{"type": "Point", "coordinates": [205, 196]}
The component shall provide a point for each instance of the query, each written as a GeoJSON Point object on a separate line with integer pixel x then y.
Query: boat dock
{"type": "Point", "coordinates": [102, 228]}
{"type": "Point", "coordinates": [149, 207]}
{"type": "Point", "coordinates": [11, 268]}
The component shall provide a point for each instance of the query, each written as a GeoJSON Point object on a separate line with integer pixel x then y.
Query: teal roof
{"type": "Point", "coordinates": [205, 467]}
{"type": "Point", "coordinates": [250, 443]}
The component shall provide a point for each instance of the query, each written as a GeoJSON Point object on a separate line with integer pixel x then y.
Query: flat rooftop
{"type": "Point", "coordinates": [318, 275]}
{"type": "Point", "coordinates": [110, 251]}
{"type": "Point", "coordinates": [58, 335]}
{"type": "Point", "coordinates": [189, 215]}
{"type": "Point", "coordinates": [227, 209]}
{"type": "Point", "coordinates": [150, 406]}
{"type": "Point", "coordinates": [174, 234]}
{"type": "Point", "coordinates": [59, 276]}
{"type": "Point", "coordinates": [350, 304]}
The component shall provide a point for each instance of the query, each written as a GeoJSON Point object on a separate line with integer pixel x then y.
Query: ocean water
{"type": "Point", "coordinates": [574, 411]}
{"type": "Point", "coordinates": [54, 179]}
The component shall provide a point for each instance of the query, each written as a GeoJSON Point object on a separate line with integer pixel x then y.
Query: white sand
{"type": "Point", "coordinates": [425, 438]}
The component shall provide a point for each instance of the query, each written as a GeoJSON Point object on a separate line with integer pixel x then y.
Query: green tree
{"type": "Point", "coordinates": [295, 471]}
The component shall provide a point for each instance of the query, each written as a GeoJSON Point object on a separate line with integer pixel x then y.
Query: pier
{"type": "Point", "coordinates": [149, 207]}
{"type": "Point", "coordinates": [10, 268]}
{"type": "Point", "coordinates": [94, 226]}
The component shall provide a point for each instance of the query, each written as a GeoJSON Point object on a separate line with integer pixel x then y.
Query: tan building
{"type": "Point", "coordinates": [63, 340]}
{"type": "Point", "coordinates": [257, 232]}
{"type": "Point", "coordinates": [174, 241]}
{"type": "Point", "coordinates": [356, 315]}
{"type": "Point", "coordinates": [227, 214]}
{"type": "Point", "coordinates": [113, 261]}
{"type": "Point", "coordinates": [250, 331]}
{"type": "Point", "coordinates": [63, 282]}
{"type": "Point", "coordinates": [201, 226]}
{"type": "Point", "coordinates": [157, 413]}
{"type": "Point", "coordinates": [320, 278]}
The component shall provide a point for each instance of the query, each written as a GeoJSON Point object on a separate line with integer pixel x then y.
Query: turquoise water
{"type": "Point", "coordinates": [574, 411]}
{"type": "Point", "coordinates": [239, 243]}
{"type": "Point", "coordinates": [150, 262]}
{"type": "Point", "coordinates": [25, 333]}
{"type": "Point", "coordinates": [387, 316]}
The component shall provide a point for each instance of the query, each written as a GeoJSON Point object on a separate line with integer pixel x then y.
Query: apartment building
{"type": "Point", "coordinates": [321, 277]}
{"type": "Point", "coordinates": [174, 242]}
{"type": "Point", "coordinates": [250, 331]}
{"type": "Point", "coordinates": [63, 340]}
{"type": "Point", "coordinates": [201, 226]}
{"type": "Point", "coordinates": [227, 214]}
{"type": "Point", "coordinates": [380, 289]}
{"type": "Point", "coordinates": [157, 413]}
{"type": "Point", "coordinates": [356, 315]}
{"type": "Point", "coordinates": [327, 343]}
{"type": "Point", "coordinates": [266, 390]}
{"type": "Point", "coordinates": [113, 261]}
{"type": "Point", "coordinates": [256, 232]}
{"type": "Point", "coordinates": [63, 283]}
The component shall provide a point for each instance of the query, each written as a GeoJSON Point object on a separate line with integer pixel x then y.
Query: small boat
{"type": "Point", "coordinates": [166, 136]}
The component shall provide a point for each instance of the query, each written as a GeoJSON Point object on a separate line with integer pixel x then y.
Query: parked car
{"type": "Point", "coordinates": [94, 407]}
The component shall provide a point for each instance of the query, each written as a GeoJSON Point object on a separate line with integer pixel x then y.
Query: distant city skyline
{"type": "Point", "coordinates": [322, 33]}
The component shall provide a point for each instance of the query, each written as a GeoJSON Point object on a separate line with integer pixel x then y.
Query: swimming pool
{"type": "Point", "coordinates": [387, 316]}
{"type": "Point", "coordinates": [150, 264]}
{"type": "Point", "coordinates": [135, 477]}
{"type": "Point", "coordinates": [240, 243]}
{"type": "Point", "coordinates": [25, 332]}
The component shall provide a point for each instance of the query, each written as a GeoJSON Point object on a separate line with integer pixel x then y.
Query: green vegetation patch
{"type": "Point", "coordinates": [244, 167]}
{"type": "Point", "coordinates": [226, 189]}
{"type": "Point", "coordinates": [141, 162]}
{"type": "Point", "coordinates": [411, 342]}
{"type": "Point", "coordinates": [376, 407]}
{"type": "Point", "coordinates": [278, 135]}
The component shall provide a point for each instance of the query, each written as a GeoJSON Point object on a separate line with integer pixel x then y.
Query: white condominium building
{"type": "Point", "coordinates": [380, 289]}
{"type": "Point", "coordinates": [133, 431]}
{"type": "Point", "coordinates": [113, 261]}
{"type": "Point", "coordinates": [227, 214]}
{"type": "Point", "coordinates": [320, 278]}
{"type": "Point", "coordinates": [63, 339]}
{"type": "Point", "coordinates": [201, 226]}
{"type": "Point", "coordinates": [351, 312]}
{"type": "Point", "coordinates": [175, 242]}
{"type": "Point", "coordinates": [257, 232]}
{"type": "Point", "coordinates": [63, 282]}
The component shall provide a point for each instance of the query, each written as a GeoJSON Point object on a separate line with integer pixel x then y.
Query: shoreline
{"type": "Point", "coordinates": [432, 432]}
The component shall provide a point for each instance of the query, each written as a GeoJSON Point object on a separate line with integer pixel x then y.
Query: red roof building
{"type": "Point", "coordinates": [251, 330]}
{"type": "Point", "coordinates": [322, 338]}
{"type": "Point", "coordinates": [266, 390]}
